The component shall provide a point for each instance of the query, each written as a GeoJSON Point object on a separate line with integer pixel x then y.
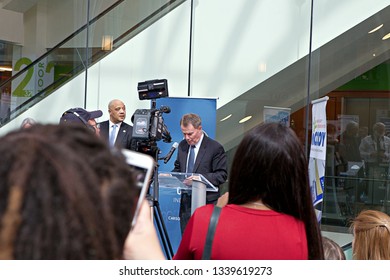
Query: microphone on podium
{"type": "Point", "coordinates": [169, 155]}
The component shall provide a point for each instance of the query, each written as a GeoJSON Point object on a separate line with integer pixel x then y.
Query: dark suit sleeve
{"type": "Point", "coordinates": [124, 137]}
{"type": "Point", "coordinates": [177, 166]}
{"type": "Point", "coordinates": [218, 173]}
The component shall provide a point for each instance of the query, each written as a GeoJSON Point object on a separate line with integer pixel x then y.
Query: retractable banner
{"type": "Point", "coordinates": [318, 153]}
{"type": "Point", "coordinates": [170, 198]}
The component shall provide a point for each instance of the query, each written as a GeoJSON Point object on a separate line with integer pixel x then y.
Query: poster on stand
{"type": "Point", "coordinates": [318, 153]}
{"type": "Point", "coordinates": [277, 114]}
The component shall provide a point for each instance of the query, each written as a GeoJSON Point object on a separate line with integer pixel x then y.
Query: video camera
{"type": "Point", "coordinates": [148, 124]}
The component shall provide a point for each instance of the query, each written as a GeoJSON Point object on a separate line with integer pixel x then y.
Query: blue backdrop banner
{"type": "Point", "coordinates": [205, 108]}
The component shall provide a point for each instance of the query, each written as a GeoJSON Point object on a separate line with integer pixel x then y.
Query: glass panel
{"type": "Point", "coordinates": [352, 70]}
{"type": "Point", "coordinates": [241, 53]}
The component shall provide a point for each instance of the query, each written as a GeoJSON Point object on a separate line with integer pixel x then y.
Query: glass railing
{"type": "Point", "coordinates": [35, 80]}
{"type": "Point", "coordinates": [347, 195]}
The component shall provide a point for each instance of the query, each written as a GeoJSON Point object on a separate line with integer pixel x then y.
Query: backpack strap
{"type": "Point", "coordinates": [210, 233]}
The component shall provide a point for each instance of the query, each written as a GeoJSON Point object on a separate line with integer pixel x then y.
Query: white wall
{"type": "Point", "coordinates": [11, 26]}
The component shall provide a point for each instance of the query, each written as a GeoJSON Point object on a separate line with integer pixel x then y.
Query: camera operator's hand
{"type": "Point", "coordinates": [142, 242]}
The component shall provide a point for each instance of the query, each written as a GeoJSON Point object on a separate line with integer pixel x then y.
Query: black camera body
{"type": "Point", "coordinates": [152, 89]}
{"type": "Point", "coordinates": [149, 125]}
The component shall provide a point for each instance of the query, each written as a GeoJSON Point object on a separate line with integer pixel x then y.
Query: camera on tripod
{"type": "Point", "coordinates": [148, 124]}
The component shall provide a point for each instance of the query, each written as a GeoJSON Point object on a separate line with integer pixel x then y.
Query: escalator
{"type": "Point", "coordinates": [36, 80]}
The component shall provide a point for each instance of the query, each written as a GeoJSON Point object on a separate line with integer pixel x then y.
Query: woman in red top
{"type": "Point", "coordinates": [270, 214]}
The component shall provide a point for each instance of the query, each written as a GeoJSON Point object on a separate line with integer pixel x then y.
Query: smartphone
{"type": "Point", "coordinates": [143, 166]}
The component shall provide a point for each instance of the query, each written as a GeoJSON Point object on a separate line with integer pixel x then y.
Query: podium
{"type": "Point", "coordinates": [200, 185]}
{"type": "Point", "coordinates": [178, 199]}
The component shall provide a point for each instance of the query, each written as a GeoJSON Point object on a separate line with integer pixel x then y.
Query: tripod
{"type": "Point", "coordinates": [162, 230]}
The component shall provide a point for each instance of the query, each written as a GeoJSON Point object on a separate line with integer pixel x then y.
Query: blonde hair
{"type": "Point", "coordinates": [371, 231]}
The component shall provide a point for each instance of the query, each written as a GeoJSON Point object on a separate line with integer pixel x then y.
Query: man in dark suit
{"type": "Point", "coordinates": [115, 131]}
{"type": "Point", "coordinates": [209, 159]}
{"type": "Point", "coordinates": [209, 155]}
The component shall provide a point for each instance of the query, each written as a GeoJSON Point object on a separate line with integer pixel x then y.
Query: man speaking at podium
{"type": "Point", "coordinates": [197, 153]}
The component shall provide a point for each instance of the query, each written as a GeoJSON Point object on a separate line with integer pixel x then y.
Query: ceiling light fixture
{"type": "Point", "coordinates": [245, 119]}
{"type": "Point", "coordinates": [107, 41]}
{"type": "Point", "coordinates": [225, 118]}
{"type": "Point", "coordinates": [262, 67]}
{"type": "Point", "coordinates": [376, 29]}
{"type": "Point", "coordinates": [387, 36]}
{"type": "Point", "coordinates": [5, 68]}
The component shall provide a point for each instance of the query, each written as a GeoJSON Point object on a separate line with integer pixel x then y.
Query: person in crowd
{"type": "Point", "coordinates": [63, 195]}
{"type": "Point", "coordinates": [332, 136]}
{"type": "Point", "coordinates": [115, 130]}
{"type": "Point", "coordinates": [375, 148]}
{"type": "Point", "coordinates": [350, 156]}
{"type": "Point", "coordinates": [27, 122]}
{"type": "Point", "coordinates": [209, 157]}
{"type": "Point", "coordinates": [333, 152]}
{"type": "Point", "coordinates": [332, 250]}
{"type": "Point", "coordinates": [350, 142]}
{"type": "Point", "coordinates": [94, 124]}
{"type": "Point", "coordinates": [371, 236]}
{"type": "Point", "coordinates": [269, 210]}
{"type": "Point", "coordinates": [83, 117]}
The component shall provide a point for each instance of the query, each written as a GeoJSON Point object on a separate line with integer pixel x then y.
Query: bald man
{"type": "Point", "coordinates": [115, 131]}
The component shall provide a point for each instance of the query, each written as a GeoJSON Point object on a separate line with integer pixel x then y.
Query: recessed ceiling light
{"type": "Point", "coordinates": [262, 67]}
{"type": "Point", "coordinates": [5, 68]}
{"type": "Point", "coordinates": [387, 36]}
{"type": "Point", "coordinates": [376, 28]}
{"type": "Point", "coordinates": [245, 119]}
{"type": "Point", "coordinates": [225, 118]}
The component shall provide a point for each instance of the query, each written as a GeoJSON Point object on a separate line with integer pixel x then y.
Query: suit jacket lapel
{"type": "Point", "coordinates": [121, 134]}
{"type": "Point", "coordinates": [183, 158]}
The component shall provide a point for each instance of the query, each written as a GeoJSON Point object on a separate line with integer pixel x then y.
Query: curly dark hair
{"type": "Point", "coordinates": [63, 195]}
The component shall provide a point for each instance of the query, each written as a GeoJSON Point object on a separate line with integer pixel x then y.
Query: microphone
{"type": "Point", "coordinates": [169, 155]}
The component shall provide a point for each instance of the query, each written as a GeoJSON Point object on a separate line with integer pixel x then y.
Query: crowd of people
{"type": "Point", "coordinates": [67, 193]}
{"type": "Point", "coordinates": [354, 145]}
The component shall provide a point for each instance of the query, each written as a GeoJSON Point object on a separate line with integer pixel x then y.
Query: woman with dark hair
{"type": "Point", "coordinates": [63, 195]}
{"type": "Point", "coordinates": [269, 214]}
